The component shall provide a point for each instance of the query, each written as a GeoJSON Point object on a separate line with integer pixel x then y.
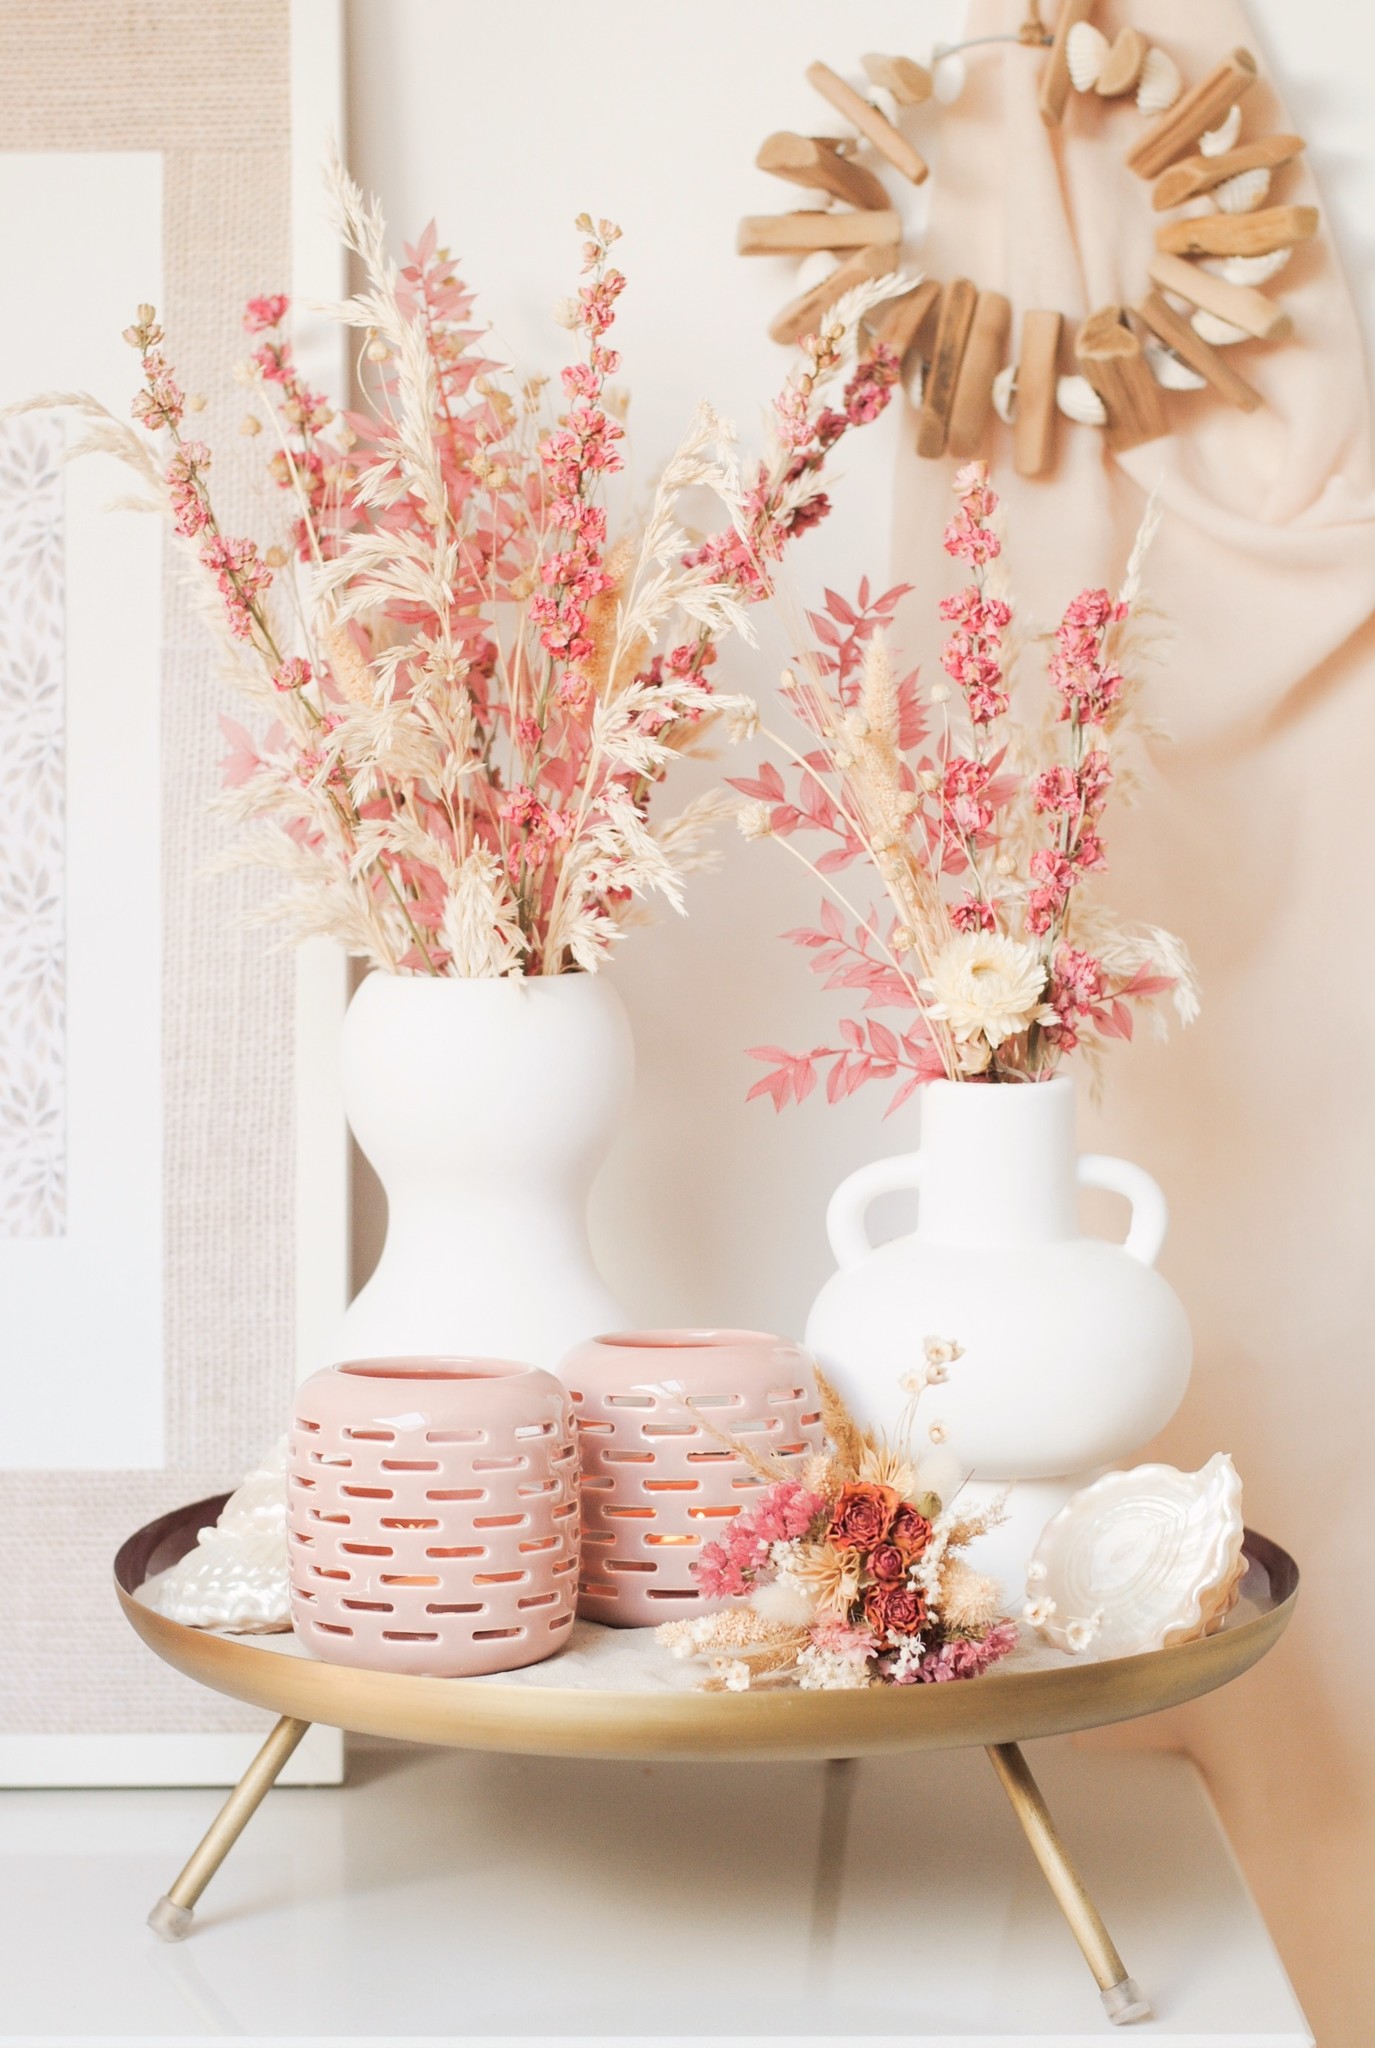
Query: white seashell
{"type": "Point", "coordinates": [1217, 332]}
{"type": "Point", "coordinates": [1005, 394]}
{"type": "Point", "coordinates": [1251, 270]}
{"type": "Point", "coordinates": [1244, 192]}
{"type": "Point", "coordinates": [1078, 400]}
{"type": "Point", "coordinates": [948, 76]}
{"type": "Point", "coordinates": [236, 1577]}
{"type": "Point", "coordinates": [1142, 1559]}
{"type": "Point", "coordinates": [1086, 53]}
{"type": "Point", "coordinates": [914, 381]}
{"type": "Point", "coordinates": [1217, 141]}
{"type": "Point", "coordinates": [1160, 83]}
{"type": "Point", "coordinates": [1170, 371]}
{"type": "Point", "coordinates": [814, 269]}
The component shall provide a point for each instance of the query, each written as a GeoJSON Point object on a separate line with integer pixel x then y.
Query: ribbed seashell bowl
{"type": "Point", "coordinates": [657, 1411]}
{"type": "Point", "coordinates": [432, 1515]}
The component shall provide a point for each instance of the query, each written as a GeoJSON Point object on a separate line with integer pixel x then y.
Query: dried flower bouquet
{"type": "Point", "coordinates": [850, 1576]}
{"type": "Point", "coordinates": [984, 832]}
{"type": "Point", "coordinates": [470, 692]}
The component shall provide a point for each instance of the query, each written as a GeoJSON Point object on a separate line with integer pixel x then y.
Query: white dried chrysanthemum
{"type": "Point", "coordinates": [985, 986]}
{"type": "Point", "coordinates": [756, 820]}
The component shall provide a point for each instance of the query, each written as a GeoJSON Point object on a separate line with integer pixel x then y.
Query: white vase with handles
{"type": "Point", "coordinates": [1076, 1351]}
{"type": "Point", "coordinates": [486, 1108]}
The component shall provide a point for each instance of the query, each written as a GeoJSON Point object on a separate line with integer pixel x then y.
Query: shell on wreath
{"type": "Point", "coordinates": [1140, 1560]}
{"type": "Point", "coordinates": [236, 1577]}
{"type": "Point", "coordinates": [1005, 394]}
{"type": "Point", "coordinates": [1217, 332]}
{"type": "Point", "coordinates": [914, 381]}
{"type": "Point", "coordinates": [948, 76]}
{"type": "Point", "coordinates": [1244, 192]}
{"type": "Point", "coordinates": [1252, 270]}
{"type": "Point", "coordinates": [1217, 141]}
{"type": "Point", "coordinates": [815, 268]}
{"type": "Point", "coordinates": [1086, 52]}
{"type": "Point", "coordinates": [1170, 371]}
{"type": "Point", "coordinates": [1160, 83]}
{"type": "Point", "coordinates": [1077, 400]}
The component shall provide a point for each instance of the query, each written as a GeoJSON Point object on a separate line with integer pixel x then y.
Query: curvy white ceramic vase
{"type": "Point", "coordinates": [1075, 1351]}
{"type": "Point", "coordinates": [486, 1108]}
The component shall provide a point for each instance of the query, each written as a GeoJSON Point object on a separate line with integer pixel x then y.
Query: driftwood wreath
{"type": "Point", "coordinates": [1203, 286]}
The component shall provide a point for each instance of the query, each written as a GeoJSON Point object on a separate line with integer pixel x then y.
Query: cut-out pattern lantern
{"type": "Point", "coordinates": [655, 1410]}
{"type": "Point", "coordinates": [433, 1515]}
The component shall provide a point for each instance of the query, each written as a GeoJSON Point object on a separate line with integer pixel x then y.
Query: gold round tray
{"type": "Point", "coordinates": [1007, 1705]}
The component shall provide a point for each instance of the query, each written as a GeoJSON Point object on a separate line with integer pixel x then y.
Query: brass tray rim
{"type": "Point", "coordinates": [550, 1720]}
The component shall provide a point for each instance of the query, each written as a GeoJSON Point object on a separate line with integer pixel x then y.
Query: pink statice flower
{"type": "Point", "coordinates": [964, 1656]}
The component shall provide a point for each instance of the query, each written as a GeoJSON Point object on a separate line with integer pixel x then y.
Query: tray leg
{"type": "Point", "coordinates": [172, 1915]}
{"type": "Point", "coordinates": [1122, 2001]}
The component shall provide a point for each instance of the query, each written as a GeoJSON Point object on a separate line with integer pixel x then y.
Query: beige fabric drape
{"type": "Point", "coordinates": [1255, 845]}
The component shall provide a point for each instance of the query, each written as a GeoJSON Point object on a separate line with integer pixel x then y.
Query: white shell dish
{"type": "Point", "coordinates": [1251, 269]}
{"type": "Point", "coordinates": [1005, 394]}
{"type": "Point", "coordinates": [1218, 333]}
{"type": "Point", "coordinates": [1078, 400]}
{"type": "Point", "coordinates": [1243, 193]}
{"type": "Point", "coordinates": [1160, 83]}
{"type": "Point", "coordinates": [1140, 1560]}
{"type": "Point", "coordinates": [1170, 371]}
{"type": "Point", "coordinates": [1086, 50]}
{"type": "Point", "coordinates": [236, 1577]}
{"type": "Point", "coordinates": [1217, 141]}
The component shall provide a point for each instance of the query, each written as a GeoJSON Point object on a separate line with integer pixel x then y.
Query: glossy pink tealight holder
{"type": "Point", "coordinates": [658, 1482]}
{"type": "Point", "coordinates": [432, 1515]}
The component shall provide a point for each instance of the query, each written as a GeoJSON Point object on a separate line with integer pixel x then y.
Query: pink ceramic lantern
{"type": "Point", "coordinates": [432, 1515]}
{"type": "Point", "coordinates": [657, 1481]}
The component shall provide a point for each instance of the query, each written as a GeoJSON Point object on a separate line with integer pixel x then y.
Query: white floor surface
{"type": "Point", "coordinates": [446, 1897]}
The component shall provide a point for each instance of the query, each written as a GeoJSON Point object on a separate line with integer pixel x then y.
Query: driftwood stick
{"type": "Point", "coordinates": [775, 234]}
{"type": "Point", "coordinates": [1199, 110]}
{"type": "Point", "coordinates": [1055, 77]}
{"type": "Point", "coordinates": [952, 333]}
{"type": "Point", "coordinates": [1238, 303]}
{"type": "Point", "coordinates": [1033, 429]}
{"type": "Point", "coordinates": [908, 81]}
{"type": "Point", "coordinates": [814, 161]}
{"type": "Point", "coordinates": [1176, 333]}
{"type": "Point", "coordinates": [869, 121]}
{"type": "Point", "coordinates": [1239, 234]}
{"type": "Point", "coordinates": [804, 314]}
{"type": "Point", "coordinates": [1198, 174]}
{"type": "Point", "coordinates": [904, 321]}
{"type": "Point", "coordinates": [983, 358]}
{"type": "Point", "coordinates": [1110, 356]}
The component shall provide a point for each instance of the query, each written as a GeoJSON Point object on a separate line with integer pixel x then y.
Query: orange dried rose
{"type": "Point", "coordinates": [910, 1531]}
{"type": "Point", "coordinates": [862, 1516]}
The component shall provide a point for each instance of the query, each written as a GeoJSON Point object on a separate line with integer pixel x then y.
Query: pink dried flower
{"type": "Point", "coordinates": [965, 1656]}
{"type": "Point", "coordinates": [260, 314]}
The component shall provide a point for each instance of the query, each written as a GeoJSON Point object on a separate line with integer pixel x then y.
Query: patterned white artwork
{"type": "Point", "coordinates": [33, 1121]}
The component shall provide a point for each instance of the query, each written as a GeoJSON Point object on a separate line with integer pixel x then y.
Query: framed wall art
{"type": "Point", "coordinates": [173, 1183]}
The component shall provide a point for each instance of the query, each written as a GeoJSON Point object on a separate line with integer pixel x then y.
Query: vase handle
{"type": "Point", "coordinates": [1150, 1213]}
{"type": "Point", "coordinates": [850, 1202]}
